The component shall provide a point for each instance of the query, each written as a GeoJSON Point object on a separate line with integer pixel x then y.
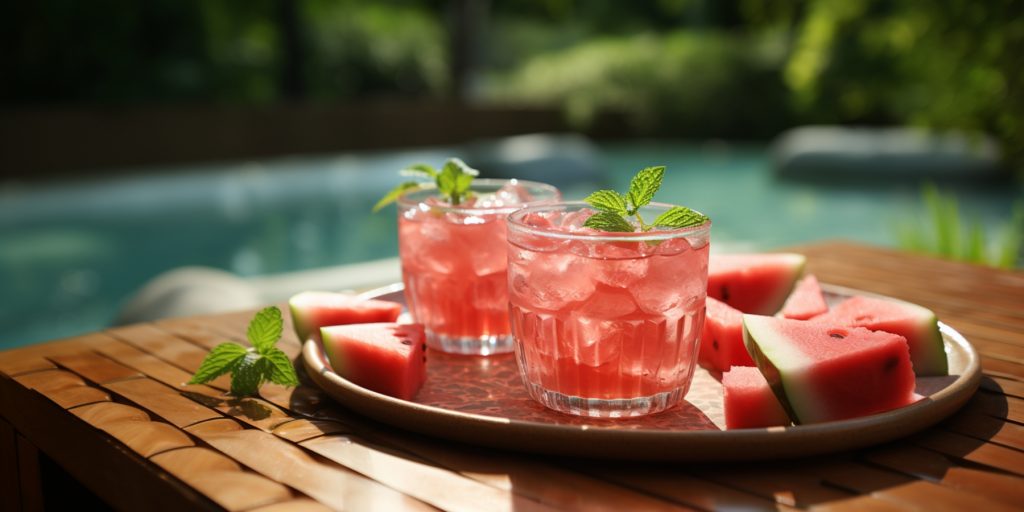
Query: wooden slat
{"type": "Point", "coordinates": [523, 476]}
{"type": "Point", "coordinates": [987, 428]}
{"type": "Point", "coordinates": [94, 367]}
{"type": "Point", "coordinates": [863, 504]}
{"type": "Point", "coordinates": [441, 488]}
{"type": "Point", "coordinates": [783, 483]}
{"type": "Point", "coordinates": [154, 368]}
{"type": "Point", "coordinates": [1001, 368]}
{"type": "Point", "coordinates": [1008, 387]}
{"type": "Point", "coordinates": [104, 413]}
{"type": "Point", "coordinates": [688, 490]}
{"type": "Point", "coordinates": [928, 496]}
{"type": "Point", "coordinates": [222, 479]}
{"type": "Point", "coordinates": [10, 482]}
{"type": "Point", "coordinates": [980, 452]}
{"type": "Point", "coordinates": [932, 466]}
{"type": "Point", "coordinates": [299, 505]}
{"type": "Point", "coordinates": [283, 462]}
{"type": "Point", "coordinates": [300, 430]}
{"type": "Point", "coordinates": [163, 401]}
{"type": "Point", "coordinates": [255, 412]}
{"type": "Point", "coordinates": [65, 388]}
{"type": "Point", "coordinates": [12, 365]}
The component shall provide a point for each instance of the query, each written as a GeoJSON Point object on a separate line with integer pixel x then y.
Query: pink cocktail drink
{"type": "Point", "coordinates": [454, 263]}
{"type": "Point", "coordinates": [606, 324]}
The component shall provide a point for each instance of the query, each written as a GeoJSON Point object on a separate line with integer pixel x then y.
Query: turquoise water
{"type": "Point", "coordinates": [71, 253]}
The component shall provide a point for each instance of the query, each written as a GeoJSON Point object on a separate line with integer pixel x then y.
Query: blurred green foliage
{"type": "Point", "coordinates": [673, 67]}
{"type": "Point", "coordinates": [679, 83]}
{"type": "Point", "coordinates": [956, 64]}
{"type": "Point", "coordinates": [942, 230]}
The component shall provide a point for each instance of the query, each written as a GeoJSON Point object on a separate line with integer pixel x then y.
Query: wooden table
{"type": "Point", "coordinates": [112, 410]}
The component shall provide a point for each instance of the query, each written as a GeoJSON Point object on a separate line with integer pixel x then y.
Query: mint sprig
{"type": "Point", "coordinates": [614, 208]}
{"type": "Point", "coordinates": [251, 367]}
{"type": "Point", "coordinates": [453, 182]}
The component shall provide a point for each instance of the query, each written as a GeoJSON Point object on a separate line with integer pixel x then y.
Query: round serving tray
{"type": "Point", "coordinates": [481, 400]}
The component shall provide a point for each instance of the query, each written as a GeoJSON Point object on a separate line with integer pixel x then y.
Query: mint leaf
{"type": "Point", "coordinates": [281, 370]}
{"type": "Point", "coordinates": [251, 367]}
{"type": "Point", "coordinates": [680, 217]}
{"type": "Point", "coordinates": [643, 187]}
{"type": "Point", "coordinates": [265, 329]}
{"type": "Point", "coordinates": [394, 194]}
{"type": "Point", "coordinates": [455, 179]}
{"type": "Point", "coordinates": [608, 221]}
{"type": "Point", "coordinates": [419, 170]}
{"type": "Point", "coordinates": [247, 375]}
{"type": "Point", "coordinates": [219, 361]}
{"type": "Point", "coordinates": [608, 201]}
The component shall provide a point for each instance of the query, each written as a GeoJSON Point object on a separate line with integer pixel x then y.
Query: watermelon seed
{"type": "Point", "coordinates": [424, 347]}
{"type": "Point", "coordinates": [424, 358]}
{"type": "Point", "coordinates": [714, 343]}
{"type": "Point", "coordinates": [725, 294]}
{"type": "Point", "coordinates": [837, 335]}
{"type": "Point", "coordinates": [406, 342]}
{"type": "Point", "coordinates": [890, 363]}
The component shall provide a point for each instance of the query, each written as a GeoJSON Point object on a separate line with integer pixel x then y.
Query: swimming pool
{"type": "Point", "coordinates": [71, 252]}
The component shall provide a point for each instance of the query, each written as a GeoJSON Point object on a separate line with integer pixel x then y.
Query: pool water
{"type": "Point", "coordinates": [72, 252]}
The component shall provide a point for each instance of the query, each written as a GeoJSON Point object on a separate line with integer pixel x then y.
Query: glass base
{"type": "Point", "coordinates": [471, 345]}
{"type": "Point", "coordinates": [605, 408]}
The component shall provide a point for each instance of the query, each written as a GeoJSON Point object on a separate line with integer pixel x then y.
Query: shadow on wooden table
{"type": "Point", "coordinates": [925, 466]}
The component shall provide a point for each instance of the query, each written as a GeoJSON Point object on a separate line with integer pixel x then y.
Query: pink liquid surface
{"type": "Point", "coordinates": [607, 321]}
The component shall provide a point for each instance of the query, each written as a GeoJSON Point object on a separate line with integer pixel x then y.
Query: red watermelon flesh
{"type": "Point", "coordinates": [749, 400]}
{"type": "Point", "coordinates": [754, 283]}
{"type": "Point", "coordinates": [915, 323]}
{"type": "Point", "coordinates": [806, 301]}
{"type": "Point", "coordinates": [721, 341]}
{"type": "Point", "coordinates": [388, 358]}
{"type": "Point", "coordinates": [313, 310]}
{"type": "Point", "coordinates": [822, 372]}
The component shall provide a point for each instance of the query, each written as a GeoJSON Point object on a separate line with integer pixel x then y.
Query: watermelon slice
{"type": "Point", "coordinates": [806, 301]}
{"type": "Point", "coordinates": [749, 400]}
{"type": "Point", "coordinates": [754, 283]}
{"type": "Point", "coordinates": [388, 358]}
{"type": "Point", "coordinates": [822, 372]}
{"type": "Point", "coordinates": [313, 310]}
{"type": "Point", "coordinates": [915, 323]}
{"type": "Point", "coordinates": [721, 341]}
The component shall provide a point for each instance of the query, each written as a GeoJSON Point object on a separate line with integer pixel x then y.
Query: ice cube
{"type": "Point", "coordinates": [573, 221]}
{"type": "Point", "coordinates": [670, 286]}
{"type": "Point", "coordinates": [556, 280]}
{"type": "Point", "coordinates": [607, 303]}
{"type": "Point", "coordinates": [622, 273]}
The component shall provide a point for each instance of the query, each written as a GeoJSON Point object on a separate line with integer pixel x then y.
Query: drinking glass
{"type": "Point", "coordinates": [605, 324]}
{"type": "Point", "coordinates": [454, 261]}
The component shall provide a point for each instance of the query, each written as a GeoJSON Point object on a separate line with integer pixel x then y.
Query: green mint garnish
{"type": "Point", "coordinates": [613, 208]}
{"type": "Point", "coordinates": [251, 367]}
{"type": "Point", "coordinates": [453, 181]}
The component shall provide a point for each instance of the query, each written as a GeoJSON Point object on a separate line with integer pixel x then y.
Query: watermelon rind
{"type": "Point", "coordinates": [769, 354]}
{"type": "Point", "coordinates": [921, 328]}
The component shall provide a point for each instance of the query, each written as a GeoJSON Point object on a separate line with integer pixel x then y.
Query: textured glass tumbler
{"type": "Point", "coordinates": [454, 262]}
{"type": "Point", "coordinates": [605, 324]}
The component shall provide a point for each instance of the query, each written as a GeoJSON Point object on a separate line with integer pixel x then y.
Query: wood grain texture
{"type": "Point", "coordinates": [283, 462]}
{"type": "Point", "coordinates": [140, 437]}
{"type": "Point", "coordinates": [222, 479]}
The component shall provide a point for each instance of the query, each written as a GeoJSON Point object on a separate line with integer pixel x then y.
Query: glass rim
{"type": "Point", "coordinates": [404, 200]}
{"type": "Point", "coordinates": [515, 224]}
